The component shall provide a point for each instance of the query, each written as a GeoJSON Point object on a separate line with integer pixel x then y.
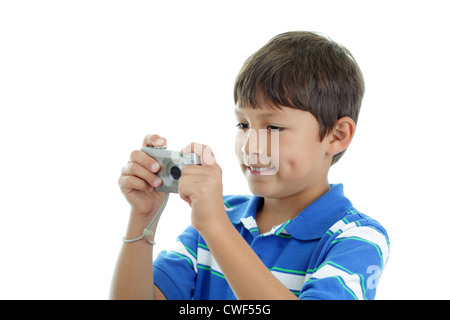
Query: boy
{"type": "Point", "coordinates": [297, 236]}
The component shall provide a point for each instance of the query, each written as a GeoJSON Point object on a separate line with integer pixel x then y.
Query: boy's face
{"type": "Point", "coordinates": [280, 152]}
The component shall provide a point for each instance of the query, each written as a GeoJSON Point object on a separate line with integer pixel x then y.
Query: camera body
{"type": "Point", "coordinates": [171, 163]}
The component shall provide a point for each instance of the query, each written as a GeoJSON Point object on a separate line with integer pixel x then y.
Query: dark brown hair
{"type": "Point", "coordinates": [307, 71]}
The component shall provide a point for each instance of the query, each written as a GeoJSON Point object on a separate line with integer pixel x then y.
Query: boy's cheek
{"type": "Point", "coordinates": [239, 144]}
{"type": "Point", "coordinates": [240, 156]}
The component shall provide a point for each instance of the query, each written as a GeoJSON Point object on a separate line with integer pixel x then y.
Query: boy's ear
{"type": "Point", "coordinates": [341, 135]}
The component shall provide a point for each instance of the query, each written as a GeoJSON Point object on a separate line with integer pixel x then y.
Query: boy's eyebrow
{"type": "Point", "coordinates": [260, 115]}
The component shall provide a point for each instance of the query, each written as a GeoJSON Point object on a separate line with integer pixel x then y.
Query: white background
{"type": "Point", "coordinates": [82, 82]}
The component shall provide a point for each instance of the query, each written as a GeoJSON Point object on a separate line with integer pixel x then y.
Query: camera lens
{"type": "Point", "coordinates": [175, 172]}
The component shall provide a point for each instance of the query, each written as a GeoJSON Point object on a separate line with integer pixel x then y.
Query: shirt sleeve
{"type": "Point", "coordinates": [175, 272]}
{"type": "Point", "coordinates": [351, 266]}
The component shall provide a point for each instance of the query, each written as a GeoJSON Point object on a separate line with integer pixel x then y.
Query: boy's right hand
{"type": "Point", "coordinates": [138, 179]}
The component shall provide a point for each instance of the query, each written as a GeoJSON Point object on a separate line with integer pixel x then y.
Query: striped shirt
{"type": "Point", "coordinates": [330, 250]}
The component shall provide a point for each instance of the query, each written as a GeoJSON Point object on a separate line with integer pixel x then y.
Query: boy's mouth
{"type": "Point", "coordinates": [261, 170]}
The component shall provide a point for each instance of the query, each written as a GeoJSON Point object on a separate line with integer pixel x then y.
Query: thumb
{"type": "Point", "coordinates": [203, 151]}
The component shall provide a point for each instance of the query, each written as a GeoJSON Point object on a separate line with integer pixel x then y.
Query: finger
{"type": "Point", "coordinates": [192, 169]}
{"type": "Point", "coordinates": [133, 183]}
{"type": "Point", "coordinates": [202, 175]}
{"type": "Point", "coordinates": [191, 176]}
{"type": "Point", "coordinates": [185, 190]}
{"type": "Point", "coordinates": [185, 197]}
{"type": "Point", "coordinates": [140, 157]}
{"type": "Point", "coordinates": [203, 151]}
{"type": "Point", "coordinates": [136, 170]}
{"type": "Point", "coordinates": [193, 187]}
{"type": "Point", "coordinates": [154, 140]}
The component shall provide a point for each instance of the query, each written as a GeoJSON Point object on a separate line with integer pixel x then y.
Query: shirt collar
{"type": "Point", "coordinates": [319, 216]}
{"type": "Point", "coordinates": [313, 221]}
{"type": "Point", "coordinates": [248, 209]}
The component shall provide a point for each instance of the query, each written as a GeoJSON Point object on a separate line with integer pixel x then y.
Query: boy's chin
{"type": "Point", "coordinates": [261, 189]}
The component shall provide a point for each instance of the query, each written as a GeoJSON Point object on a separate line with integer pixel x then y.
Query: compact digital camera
{"type": "Point", "coordinates": [171, 163]}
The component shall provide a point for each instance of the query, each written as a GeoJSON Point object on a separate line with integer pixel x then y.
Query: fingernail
{"type": "Point", "coordinates": [157, 182]}
{"type": "Point", "coordinates": [155, 167]}
{"type": "Point", "coordinates": [159, 141]}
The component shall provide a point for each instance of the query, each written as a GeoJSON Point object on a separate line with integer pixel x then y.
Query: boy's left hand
{"type": "Point", "coordinates": [201, 187]}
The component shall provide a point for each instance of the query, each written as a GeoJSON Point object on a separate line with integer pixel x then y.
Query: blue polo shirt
{"type": "Point", "coordinates": [330, 250]}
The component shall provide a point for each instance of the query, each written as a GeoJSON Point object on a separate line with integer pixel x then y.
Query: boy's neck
{"type": "Point", "coordinates": [275, 211]}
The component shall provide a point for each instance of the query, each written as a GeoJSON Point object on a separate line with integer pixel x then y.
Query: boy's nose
{"type": "Point", "coordinates": [255, 145]}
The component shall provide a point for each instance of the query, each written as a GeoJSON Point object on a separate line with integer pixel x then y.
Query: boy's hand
{"type": "Point", "coordinates": [139, 180]}
{"type": "Point", "coordinates": [201, 187]}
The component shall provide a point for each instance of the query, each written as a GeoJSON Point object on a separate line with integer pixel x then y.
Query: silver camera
{"type": "Point", "coordinates": [171, 163]}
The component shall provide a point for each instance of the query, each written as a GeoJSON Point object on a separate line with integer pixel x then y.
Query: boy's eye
{"type": "Point", "coordinates": [271, 128]}
{"type": "Point", "coordinates": [242, 125]}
